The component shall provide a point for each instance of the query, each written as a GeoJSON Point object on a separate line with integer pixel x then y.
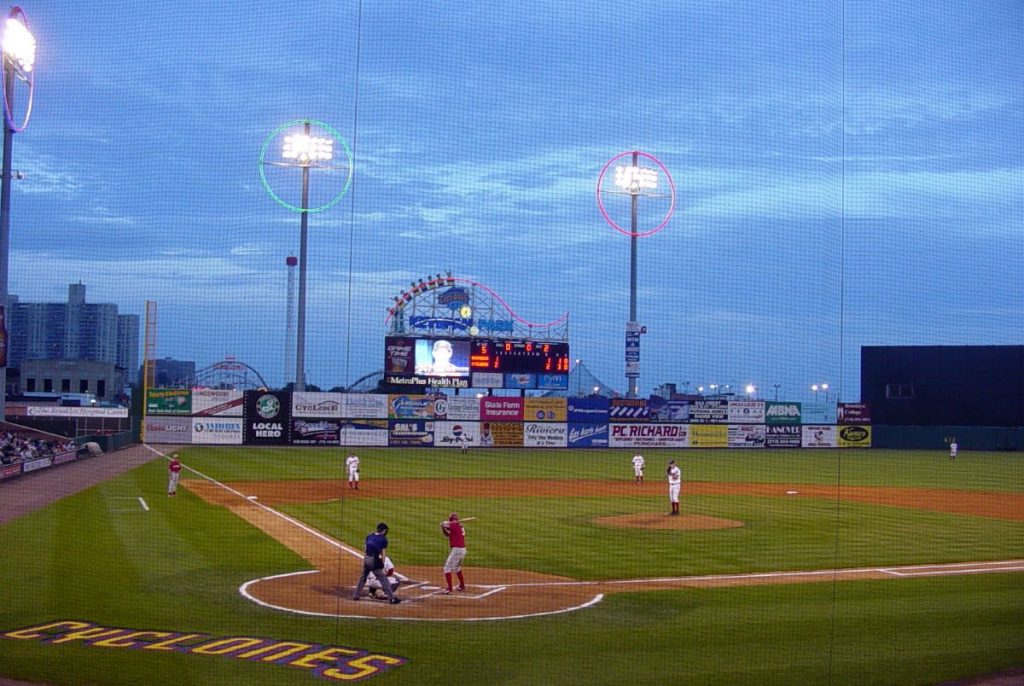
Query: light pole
{"type": "Point", "coordinates": [751, 390]}
{"type": "Point", "coordinates": [633, 180]}
{"type": "Point", "coordinates": [578, 377]}
{"type": "Point", "coordinates": [814, 387]}
{"type": "Point", "coordinates": [306, 152]}
{"type": "Point", "coordinates": [19, 56]}
{"type": "Point", "coordinates": [776, 391]}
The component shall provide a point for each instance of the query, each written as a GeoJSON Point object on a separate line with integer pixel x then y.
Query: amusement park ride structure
{"type": "Point", "coordinates": [446, 305]}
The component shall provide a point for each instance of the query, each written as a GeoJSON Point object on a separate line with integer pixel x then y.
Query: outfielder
{"type": "Point", "coordinates": [173, 473]}
{"type": "Point", "coordinates": [352, 465]}
{"type": "Point", "coordinates": [953, 449]}
{"type": "Point", "coordinates": [456, 536]}
{"type": "Point", "coordinates": [675, 482]}
{"type": "Point", "coordinates": [638, 468]}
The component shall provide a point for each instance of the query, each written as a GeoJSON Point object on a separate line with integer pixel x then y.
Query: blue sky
{"type": "Point", "coordinates": [848, 173]}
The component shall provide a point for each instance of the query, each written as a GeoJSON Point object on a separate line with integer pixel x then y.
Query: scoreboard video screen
{"type": "Point", "coordinates": [475, 362]}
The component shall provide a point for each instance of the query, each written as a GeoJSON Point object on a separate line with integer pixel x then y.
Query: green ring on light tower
{"type": "Point", "coordinates": [337, 136]}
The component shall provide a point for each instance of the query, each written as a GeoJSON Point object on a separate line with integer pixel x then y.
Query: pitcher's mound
{"type": "Point", "coordinates": [661, 520]}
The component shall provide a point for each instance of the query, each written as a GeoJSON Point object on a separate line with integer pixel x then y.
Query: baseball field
{"type": "Point", "coordinates": [785, 567]}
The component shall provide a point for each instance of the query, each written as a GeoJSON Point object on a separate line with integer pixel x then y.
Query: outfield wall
{"type": "Point", "coordinates": [223, 417]}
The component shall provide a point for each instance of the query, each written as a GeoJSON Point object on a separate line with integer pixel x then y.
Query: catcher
{"type": "Point", "coordinates": [456, 535]}
{"type": "Point", "coordinates": [394, 579]}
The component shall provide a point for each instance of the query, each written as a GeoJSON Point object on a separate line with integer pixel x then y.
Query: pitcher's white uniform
{"type": "Point", "coordinates": [638, 467]}
{"type": "Point", "coordinates": [352, 465]}
{"type": "Point", "coordinates": [675, 482]}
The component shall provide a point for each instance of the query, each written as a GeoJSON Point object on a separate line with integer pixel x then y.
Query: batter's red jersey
{"type": "Point", "coordinates": [456, 536]}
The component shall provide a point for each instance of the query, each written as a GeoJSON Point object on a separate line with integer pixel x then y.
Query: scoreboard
{"type": "Point", "coordinates": [465, 362]}
{"type": "Point", "coordinates": [519, 357]}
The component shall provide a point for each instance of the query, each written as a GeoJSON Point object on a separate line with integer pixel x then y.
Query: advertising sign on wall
{"type": "Point", "coordinates": [457, 407]}
{"type": "Point", "coordinates": [503, 434]}
{"type": "Point", "coordinates": [854, 413]}
{"type": "Point", "coordinates": [401, 406]}
{"type": "Point", "coordinates": [544, 409]}
{"type": "Point", "coordinates": [818, 436]}
{"type": "Point", "coordinates": [217, 430]}
{"type": "Point", "coordinates": [781, 413]}
{"type": "Point", "coordinates": [220, 402]}
{"type": "Point", "coordinates": [365, 432]}
{"type": "Point", "coordinates": [586, 410]}
{"type": "Point", "coordinates": [522, 380]}
{"type": "Point", "coordinates": [168, 429]}
{"type": "Point", "coordinates": [413, 433]}
{"type": "Point", "coordinates": [364, 406]}
{"type": "Point", "coordinates": [499, 409]}
{"type": "Point", "coordinates": [316, 431]}
{"type": "Point", "coordinates": [854, 436]}
{"type": "Point", "coordinates": [312, 405]}
{"type": "Point", "coordinates": [451, 434]}
{"type": "Point", "coordinates": [588, 436]}
{"type": "Point", "coordinates": [746, 412]}
{"type": "Point", "coordinates": [168, 401]}
{"type": "Point", "coordinates": [552, 382]}
{"type": "Point", "coordinates": [670, 411]}
{"type": "Point", "coordinates": [547, 435]}
{"type": "Point", "coordinates": [709, 436]}
{"type": "Point", "coordinates": [746, 435]}
{"type": "Point", "coordinates": [267, 416]}
{"type": "Point", "coordinates": [782, 436]}
{"type": "Point", "coordinates": [648, 436]}
{"type": "Point", "coordinates": [628, 410]}
{"type": "Point", "coordinates": [709, 412]}
{"type": "Point", "coordinates": [488, 379]}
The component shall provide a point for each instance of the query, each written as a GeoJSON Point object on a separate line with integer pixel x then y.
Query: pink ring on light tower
{"type": "Point", "coordinates": [671, 184]}
{"type": "Point", "coordinates": [15, 13]}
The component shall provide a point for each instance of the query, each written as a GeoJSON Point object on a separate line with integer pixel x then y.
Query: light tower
{"type": "Point", "coordinates": [306, 152]}
{"type": "Point", "coordinates": [634, 181]}
{"type": "Point", "coordinates": [289, 322]}
{"type": "Point", "coordinates": [19, 56]}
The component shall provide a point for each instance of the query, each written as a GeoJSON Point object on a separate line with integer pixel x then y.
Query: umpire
{"type": "Point", "coordinates": [373, 562]}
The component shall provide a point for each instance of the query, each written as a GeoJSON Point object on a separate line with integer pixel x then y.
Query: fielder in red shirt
{"type": "Point", "coordinates": [456, 536]}
{"type": "Point", "coordinates": [173, 472]}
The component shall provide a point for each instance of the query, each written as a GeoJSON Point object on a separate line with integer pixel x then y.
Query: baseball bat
{"type": "Point", "coordinates": [463, 519]}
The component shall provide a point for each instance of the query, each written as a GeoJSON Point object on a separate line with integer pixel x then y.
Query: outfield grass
{"type": "Point", "coordinates": [98, 556]}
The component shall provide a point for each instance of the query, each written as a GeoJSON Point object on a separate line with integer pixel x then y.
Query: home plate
{"type": "Point", "coordinates": [791, 492]}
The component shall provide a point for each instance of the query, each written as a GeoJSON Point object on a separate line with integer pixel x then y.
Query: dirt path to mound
{"type": "Point", "coordinates": [503, 593]}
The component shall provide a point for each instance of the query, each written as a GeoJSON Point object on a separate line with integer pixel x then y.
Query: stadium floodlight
{"type": "Point", "coordinates": [304, 148]}
{"type": "Point", "coordinates": [634, 179]}
{"type": "Point", "coordinates": [19, 45]}
{"type": "Point", "coordinates": [750, 389]}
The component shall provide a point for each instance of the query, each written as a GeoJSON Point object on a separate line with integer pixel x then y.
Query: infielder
{"type": "Point", "coordinates": [352, 465]}
{"type": "Point", "coordinates": [638, 468]}
{"type": "Point", "coordinates": [675, 482]}
{"type": "Point", "coordinates": [456, 536]}
{"type": "Point", "coordinates": [394, 579]}
{"type": "Point", "coordinates": [173, 473]}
